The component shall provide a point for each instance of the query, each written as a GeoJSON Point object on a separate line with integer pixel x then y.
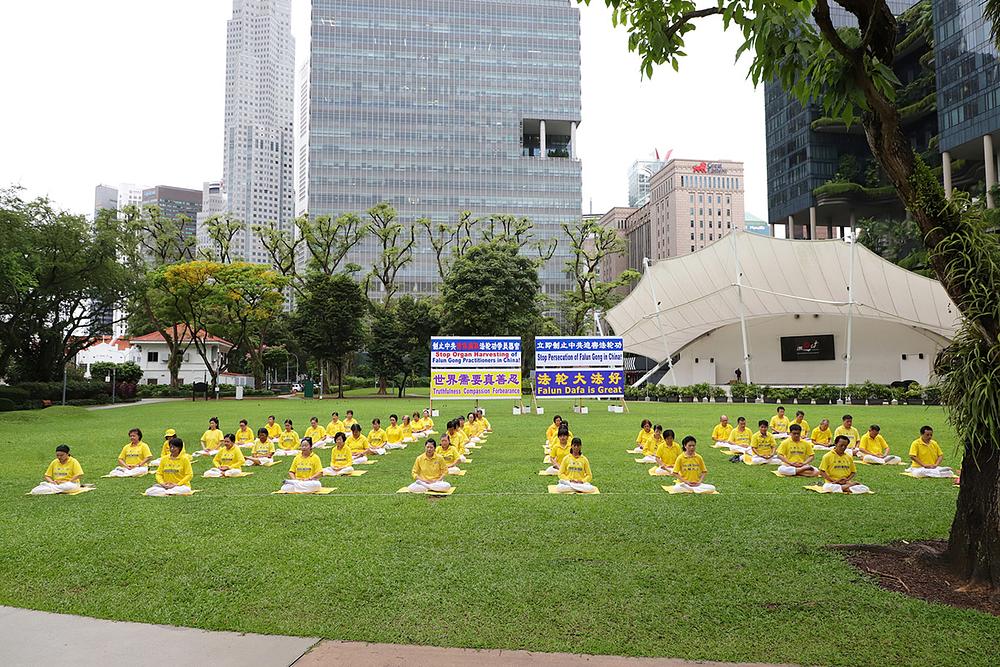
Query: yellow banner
{"type": "Point", "coordinates": [481, 384]}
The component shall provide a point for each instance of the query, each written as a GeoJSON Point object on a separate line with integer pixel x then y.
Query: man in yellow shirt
{"type": "Point", "coordinates": [763, 447]}
{"type": "Point", "coordinates": [394, 434]}
{"type": "Point", "coordinates": [838, 469]}
{"type": "Point", "coordinates": [822, 436]}
{"type": "Point", "coordinates": [429, 470]}
{"type": "Point", "coordinates": [800, 419]}
{"type": "Point", "coordinates": [228, 461]}
{"type": "Point", "coordinates": [779, 423]}
{"type": "Point", "coordinates": [376, 438]}
{"type": "Point", "coordinates": [273, 429]}
{"type": "Point", "coordinates": [288, 441]}
{"type": "Point", "coordinates": [428, 422]}
{"type": "Point", "coordinates": [349, 420]}
{"type": "Point", "coordinates": [645, 434]}
{"type": "Point", "coordinates": [358, 443]}
{"type": "Point", "coordinates": [872, 448]}
{"type": "Point", "coordinates": [316, 432]}
{"type": "Point", "coordinates": [926, 456]}
{"type": "Point", "coordinates": [341, 457]}
{"type": "Point", "coordinates": [691, 470]}
{"type": "Point", "coordinates": [173, 478]}
{"type": "Point", "coordinates": [244, 436]}
{"type": "Point", "coordinates": [306, 471]}
{"type": "Point", "coordinates": [847, 428]}
{"type": "Point", "coordinates": [796, 455]}
{"type": "Point", "coordinates": [335, 426]}
{"type": "Point", "coordinates": [133, 461]}
{"type": "Point", "coordinates": [667, 452]}
{"type": "Point", "coordinates": [722, 430]}
{"type": "Point", "coordinates": [739, 437]}
{"type": "Point", "coordinates": [559, 450]}
{"type": "Point", "coordinates": [262, 452]}
{"type": "Point", "coordinates": [574, 471]}
{"type": "Point", "coordinates": [62, 476]}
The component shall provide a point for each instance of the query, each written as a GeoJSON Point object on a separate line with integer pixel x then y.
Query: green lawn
{"type": "Point", "coordinates": [743, 575]}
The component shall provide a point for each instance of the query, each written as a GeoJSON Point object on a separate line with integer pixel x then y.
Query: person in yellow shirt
{"type": "Point", "coordinates": [335, 426]}
{"type": "Point", "coordinates": [394, 434]}
{"type": "Point", "coordinates": [316, 433]}
{"type": "Point", "coordinates": [926, 456]}
{"type": "Point", "coordinates": [429, 470]}
{"type": "Point", "coordinates": [417, 423]}
{"type": "Point", "coordinates": [341, 457]}
{"type": "Point", "coordinates": [359, 445]}
{"type": "Point", "coordinates": [476, 428]}
{"type": "Point", "coordinates": [822, 436]}
{"type": "Point", "coordinates": [481, 416]}
{"type": "Point", "coordinates": [872, 448]}
{"type": "Point", "coordinates": [645, 433]}
{"type": "Point", "coordinates": [574, 471]}
{"type": "Point", "coordinates": [349, 420]}
{"type": "Point", "coordinates": [650, 445]}
{"type": "Point", "coordinates": [262, 452]}
{"type": "Point", "coordinates": [273, 430]}
{"type": "Point", "coordinates": [552, 431]}
{"type": "Point", "coordinates": [449, 454]}
{"type": "Point", "coordinates": [62, 476]}
{"type": "Point", "coordinates": [800, 419]}
{"type": "Point", "coordinates": [306, 471]}
{"type": "Point", "coordinates": [722, 430]}
{"type": "Point", "coordinates": [428, 422]}
{"type": "Point", "coordinates": [133, 461]}
{"type": "Point", "coordinates": [229, 460]}
{"type": "Point", "coordinates": [211, 439]}
{"type": "Point", "coordinates": [796, 455]}
{"type": "Point", "coordinates": [458, 439]}
{"type": "Point", "coordinates": [779, 423]}
{"type": "Point", "coordinates": [763, 447]}
{"type": "Point", "coordinates": [376, 438]}
{"type": "Point", "coordinates": [559, 450]}
{"type": "Point", "coordinates": [244, 436]}
{"type": "Point", "coordinates": [165, 449]}
{"type": "Point", "coordinates": [288, 441]}
{"type": "Point", "coordinates": [407, 430]}
{"type": "Point", "coordinates": [667, 452]}
{"type": "Point", "coordinates": [838, 469]}
{"type": "Point", "coordinates": [739, 437]}
{"type": "Point", "coordinates": [847, 428]}
{"type": "Point", "coordinates": [174, 476]}
{"type": "Point", "coordinates": [691, 470]}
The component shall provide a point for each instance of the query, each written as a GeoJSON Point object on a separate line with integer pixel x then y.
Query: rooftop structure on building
{"type": "Point", "coordinates": [639, 175]}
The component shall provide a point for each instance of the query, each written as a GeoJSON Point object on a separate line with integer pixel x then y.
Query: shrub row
{"type": "Point", "coordinates": [869, 392]}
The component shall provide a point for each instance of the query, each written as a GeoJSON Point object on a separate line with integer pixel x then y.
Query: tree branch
{"type": "Point", "coordinates": [822, 15]}
{"type": "Point", "coordinates": [687, 17]}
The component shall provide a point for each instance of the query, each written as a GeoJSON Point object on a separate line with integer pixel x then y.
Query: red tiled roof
{"type": "Point", "coordinates": [157, 337]}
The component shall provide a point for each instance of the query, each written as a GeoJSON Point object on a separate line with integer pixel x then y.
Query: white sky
{"type": "Point", "coordinates": [110, 91]}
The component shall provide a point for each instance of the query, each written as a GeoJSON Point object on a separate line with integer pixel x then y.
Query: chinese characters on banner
{"type": "Point", "coordinates": [478, 368]}
{"type": "Point", "coordinates": [579, 367]}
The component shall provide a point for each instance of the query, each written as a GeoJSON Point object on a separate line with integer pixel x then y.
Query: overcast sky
{"type": "Point", "coordinates": [110, 91]}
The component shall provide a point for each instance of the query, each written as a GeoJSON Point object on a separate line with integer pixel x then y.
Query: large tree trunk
{"type": "Point", "coordinates": [340, 379]}
{"type": "Point", "coordinates": [974, 543]}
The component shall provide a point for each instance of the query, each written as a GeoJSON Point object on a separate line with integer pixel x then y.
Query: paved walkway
{"type": "Point", "coordinates": [145, 401]}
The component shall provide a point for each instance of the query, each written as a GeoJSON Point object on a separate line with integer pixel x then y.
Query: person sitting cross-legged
{"type": "Point", "coordinates": [838, 469]}
{"type": "Point", "coordinates": [429, 470]}
{"type": "Point", "coordinates": [641, 440]}
{"type": "Point", "coordinates": [394, 434]}
{"type": "Point", "coordinates": [822, 436]}
{"type": "Point", "coordinates": [449, 454]}
{"type": "Point", "coordinates": [574, 471]}
{"type": "Point", "coordinates": [62, 476]}
{"type": "Point", "coordinates": [559, 449]}
{"type": "Point", "coordinates": [358, 443]}
{"type": "Point", "coordinates": [872, 448]}
{"type": "Point", "coordinates": [691, 470]}
{"type": "Point", "coordinates": [317, 433]}
{"type": "Point", "coordinates": [173, 477]}
{"type": "Point", "coordinates": [229, 460]}
{"type": "Point", "coordinates": [262, 451]}
{"type": "Point", "coordinates": [763, 448]}
{"type": "Point", "coordinates": [926, 456]}
{"type": "Point", "coordinates": [739, 437]}
{"type": "Point", "coordinates": [667, 452]}
{"type": "Point", "coordinates": [341, 457]}
{"type": "Point", "coordinates": [722, 430]}
{"type": "Point", "coordinates": [133, 461]}
{"type": "Point", "coordinates": [796, 455]}
{"type": "Point", "coordinates": [779, 422]}
{"type": "Point", "coordinates": [306, 471]}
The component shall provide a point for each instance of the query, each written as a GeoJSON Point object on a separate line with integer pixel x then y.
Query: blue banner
{"type": "Point", "coordinates": [579, 352]}
{"type": "Point", "coordinates": [478, 353]}
{"type": "Point", "coordinates": [580, 383]}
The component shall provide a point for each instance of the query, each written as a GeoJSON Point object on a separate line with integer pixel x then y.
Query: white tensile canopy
{"type": "Point", "coordinates": [744, 276]}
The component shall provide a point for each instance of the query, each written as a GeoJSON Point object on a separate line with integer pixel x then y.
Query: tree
{"type": "Point", "coordinates": [400, 342]}
{"type": "Point", "coordinates": [221, 230]}
{"type": "Point", "coordinates": [282, 247]}
{"type": "Point", "coordinates": [591, 244]}
{"type": "Point", "coordinates": [849, 71]}
{"type": "Point", "coordinates": [442, 236]}
{"type": "Point", "coordinates": [396, 248]}
{"type": "Point", "coordinates": [328, 321]}
{"type": "Point", "coordinates": [897, 241]}
{"type": "Point", "coordinates": [160, 240]}
{"type": "Point", "coordinates": [328, 240]}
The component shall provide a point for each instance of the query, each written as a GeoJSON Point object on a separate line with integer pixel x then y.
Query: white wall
{"type": "Point", "coordinates": [192, 369]}
{"type": "Point", "coordinates": [878, 348]}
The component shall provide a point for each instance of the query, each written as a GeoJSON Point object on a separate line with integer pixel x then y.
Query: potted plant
{"type": "Point", "coordinates": [914, 394]}
{"type": "Point", "coordinates": [718, 393]}
{"type": "Point", "coordinates": [686, 394]}
{"type": "Point", "coordinates": [669, 394]}
{"type": "Point", "coordinates": [823, 394]}
{"type": "Point", "coordinates": [932, 395]}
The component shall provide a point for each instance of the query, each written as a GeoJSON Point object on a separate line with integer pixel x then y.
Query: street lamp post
{"type": "Point", "coordinates": [111, 378]}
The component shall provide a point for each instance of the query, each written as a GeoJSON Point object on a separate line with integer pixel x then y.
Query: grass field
{"type": "Point", "coordinates": [743, 575]}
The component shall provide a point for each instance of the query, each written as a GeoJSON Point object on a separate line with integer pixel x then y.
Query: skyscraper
{"type": "Point", "coordinates": [639, 175]}
{"type": "Point", "coordinates": [440, 106]}
{"type": "Point", "coordinates": [258, 151]}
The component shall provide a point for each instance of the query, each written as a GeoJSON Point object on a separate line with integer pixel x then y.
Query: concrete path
{"type": "Point", "coordinates": [145, 401]}
{"type": "Point", "coordinates": [30, 638]}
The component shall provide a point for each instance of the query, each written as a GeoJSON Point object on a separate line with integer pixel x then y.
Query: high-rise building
{"type": "Point", "coordinates": [639, 175]}
{"type": "Point", "coordinates": [105, 197]}
{"type": "Point", "coordinates": [130, 194]}
{"type": "Point", "coordinates": [439, 107]}
{"type": "Point", "coordinates": [614, 265]}
{"type": "Point", "coordinates": [175, 202]}
{"type": "Point", "coordinates": [213, 202]}
{"type": "Point", "coordinates": [258, 152]}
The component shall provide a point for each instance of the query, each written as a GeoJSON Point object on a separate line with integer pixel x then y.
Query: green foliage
{"type": "Point", "coordinates": [395, 242]}
{"type": "Point", "coordinates": [6, 405]}
{"type": "Point", "coordinates": [126, 372]}
{"type": "Point", "coordinates": [15, 394]}
{"type": "Point", "coordinates": [399, 347]}
{"type": "Point", "coordinates": [76, 389]}
{"type": "Point", "coordinates": [834, 188]}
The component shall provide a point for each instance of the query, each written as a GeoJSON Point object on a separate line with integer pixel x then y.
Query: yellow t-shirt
{"type": "Point", "coordinates": [63, 472]}
{"type": "Point", "coordinates": [428, 423]}
{"type": "Point", "coordinates": [651, 445]}
{"type": "Point", "coordinates": [429, 469]}
{"type": "Point", "coordinates": [244, 436]}
{"type": "Point", "coordinates": [550, 433]}
{"type": "Point", "coordinates": [165, 450]}
{"type": "Point", "coordinates": [795, 452]}
{"type": "Point", "coordinates": [231, 458]}
{"type": "Point", "coordinates": [575, 469]}
{"type": "Point", "coordinates": [358, 444]}
{"type": "Point", "coordinates": [875, 446]}
{"type": "Point", "coordinates": [836, 466]}
{"type": "Point", "coordinates": [289, 440]}
{"type": "Point", "coordinates": [306, 467]}
{"type": "Point", "coordinates": [640, 440]}
{"type": "Point", "coordinates": [721, 433]}
{"type": "Point", "coordinates": [393, 434]}
{"type": "Point", "coordinates": [349, 423]}
{"type": "Point", "coordinates": [273, 430]}
{"type": "Point", "coordinates": [417, 425]}
{"type": "Point", "coordinates": [338, 426]}
{"type": "Point", "coordinates": [376, 438]}
{"type": "Point", "coordinates": [449, 455]}
{"type": "Point", "coordinates": [317, 433]}
{"type": "Point", "coordinates": [805, 427]}
{"type": "Point", "coordinates": [690, 468]}
{"type": "Point", "coordinates": [486, 423]}
{"type": "Point", "coordinates": [821, 437]}
{"type": "Point", "coordinates": [407, 430]}
{"type": "Point", "coordinates": [459, 438]}
{"type": "Point", "coordinates": [779, 424]}
{"type": "Point", "coordinates": [262, 449]}
{"type": "Point", "coordinates": [134, 455]}
{"type": "Point", "coordinates": [741, 438]}
{"type": "Point", "coordinates": [557, 452]}
{"type": "Point", "coordinates": [851, 433]}
{"type": "Point", "coordinates": [211, 439]}
{"type": "Point", "coordinates": [928, 454]}
{"type": "Point", "coordinates": [765, 445]}
{"type": "Point", "coordinates": [175, 471]}
{"type": "Point", "coordinates": [341, 457]}
{"type": "Point", "coordinates": [668, 453]}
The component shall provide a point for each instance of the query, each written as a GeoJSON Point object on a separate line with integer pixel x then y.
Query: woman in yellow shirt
{"type": "Point", "coordinates": [288, 441]}
{"type": "Point", "coordinates": [341, 457]}
{"type": "Point", "coordinates": [359, 445]}
{"type": "Point", "coordinates": [481, 416]}
{"type": "Point", "coordinates": [394, 434]}
{"type": "Point", "coordinates": [650, 444]}
{"type": "Point", "coordinates": [133, 461]}
{"type": "Point", "coordinates": [229, 460]}
{"type": "Point", "coordinates": [667, 452]}
{"type": "Point", "coordinates": [407, 430]}
{"type": "Point", "coordinates": [335, 426]}
{"type": "Point", "coordinates": [376, 438]}
{"type": "Point", "coordinates": [316, 433]}
{"type": "Point", "coordinates": [62, 475]}
{"type": "Point", "coordinates": [418, 425]}
{"type": "Point", "coordinates": [165, 449]}
{"type": "Point", "coordinates": [262, 452]}
{"type": "Point", "coordinates": [838, 469]}
{"type": "Point", "coordinates": [273, 430]}
{"type": "Point", "coordinates": [349, 420]}
{"type": "Point", "coordinates": [574, 471]}
{"type": "Point", "coordinates": [428, 422]}
{"type": "Point", "coordinates": [211, 439]}
{"type": "Point", "coordinates": [559, 450]}
{"type": "Point", "coordinates": [552, 432]}
{"type": "Point", "coordinates": [244, 436]}
{"type": "Point", "coordinates": [690, 469]}
{"type": "Point", "coordinates": [645, 433]}
{"type": "Point", "coordinates": [174, 475]}
{"type": "Point", "coordinates": [429, 470]}
{"type": "Point", "coordinates": [449, 454]}
{"type": "Point", "coordinates": [306, 471]}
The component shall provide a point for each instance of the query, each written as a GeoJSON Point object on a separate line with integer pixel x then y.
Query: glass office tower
{"type": "Point", "coordinates": [443, 106]}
